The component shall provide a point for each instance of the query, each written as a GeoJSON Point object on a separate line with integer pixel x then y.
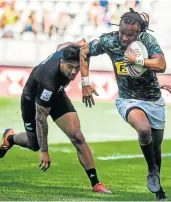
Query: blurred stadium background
{"type": "Point", "coordinates": [29, 32]}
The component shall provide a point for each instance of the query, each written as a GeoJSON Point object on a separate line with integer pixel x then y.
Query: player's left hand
{"type": "Point", "coordinates": [87, 95]}
{"type": "Point", "coordinates": [129, 59]}
{"type": "Point", "coordinates": [44, 161]}
{"type": "Point", "coordinates": [166, 87]}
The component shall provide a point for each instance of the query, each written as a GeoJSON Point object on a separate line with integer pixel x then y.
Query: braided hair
{"type": "Point", "coordinates": [133, 17]}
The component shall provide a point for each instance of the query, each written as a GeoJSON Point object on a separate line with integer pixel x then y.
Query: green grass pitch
{"type": "Point", "coordinates": [21, 179]}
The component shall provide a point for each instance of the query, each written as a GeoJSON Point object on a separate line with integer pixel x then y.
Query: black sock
{"type": "Point", "coordinates": [11, 139]}
{"type": "Point", "coordinates": [148, 152]}
{"type": "Point", "coordinates": [157, 155]}
{"type": "Point", "coordinates": [157, 136]}
{"type": "Point", "coordinates": [92, 176]}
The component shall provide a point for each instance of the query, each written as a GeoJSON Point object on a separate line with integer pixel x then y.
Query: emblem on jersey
{"type": "Point", "coordinates": [46, 95]}
{"type": "Point", "coordinates": [120, 68]}
{"type": "Point", "coordinates": [61, 88]}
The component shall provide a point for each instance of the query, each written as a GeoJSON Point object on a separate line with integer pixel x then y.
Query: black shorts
{"type": "Point", "coordinates": [61, 105]}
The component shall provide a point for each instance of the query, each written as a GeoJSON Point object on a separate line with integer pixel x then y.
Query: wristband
{"type": "Point", "coordinates": [139, 60]}
{"type": "Point", "coordinates": [85, 81]}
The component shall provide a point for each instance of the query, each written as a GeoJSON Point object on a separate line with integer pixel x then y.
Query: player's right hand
{"type": "Point", "coordinates": [44, 161]}
{"type": "Point", "coordinates": [87, 95]}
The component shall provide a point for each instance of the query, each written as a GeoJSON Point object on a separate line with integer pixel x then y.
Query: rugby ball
{"type": "Point", "coordinates": [138, 49]}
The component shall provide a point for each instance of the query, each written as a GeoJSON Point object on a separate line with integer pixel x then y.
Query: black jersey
{"type": "Point", "coordinates": [45, 81]}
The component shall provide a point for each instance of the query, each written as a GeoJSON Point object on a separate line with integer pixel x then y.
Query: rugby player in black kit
{"type": "Point", "coordinates": [44, 95]}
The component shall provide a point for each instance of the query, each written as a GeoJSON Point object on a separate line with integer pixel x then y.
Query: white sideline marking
{"type": "Point", "coordinates": [126, 156]}
{"type": "Point", "coordinates": [65, 150]}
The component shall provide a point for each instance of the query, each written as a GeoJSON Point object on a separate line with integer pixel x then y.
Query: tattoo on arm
{"type": "Point", "coordinates": [84, 61]}
{"type": "Point", "coordinates": [42, 126]}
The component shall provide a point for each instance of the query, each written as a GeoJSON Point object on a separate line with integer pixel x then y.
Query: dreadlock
{"type": "Point", "coordinates": [133, 17]}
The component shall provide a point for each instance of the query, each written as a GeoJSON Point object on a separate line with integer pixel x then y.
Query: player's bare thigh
{"type": "Point", "coordinates": [69, 123]}
{"type": "Point", "coordinates": [138, 120]}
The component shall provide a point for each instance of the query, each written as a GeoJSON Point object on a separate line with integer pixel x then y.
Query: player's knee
{"type": "Point", "coordinates": [35, 148]}
{"type": "Point", "coordinates": [77, 137]}
{"type": "Point", "coordinates": [145, 136]}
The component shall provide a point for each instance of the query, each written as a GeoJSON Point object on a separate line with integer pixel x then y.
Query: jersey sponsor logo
{"type": "Point", "coordinates": [120, 68]}
{"type": "Point", "coordinates": [46, 95]}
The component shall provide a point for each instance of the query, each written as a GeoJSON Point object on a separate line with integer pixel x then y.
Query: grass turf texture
{"type": "Point", "coordinates": [21, 178]}
{"type": "Point", "coordinates": [100, 123]}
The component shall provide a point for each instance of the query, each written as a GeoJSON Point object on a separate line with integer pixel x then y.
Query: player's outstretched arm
{"type": "Point", "coordinates": [78, 44]}
{"type": "Point", "coordinates": [87, 89]}
{"type": "Point", "coordinates": [42, 133]}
